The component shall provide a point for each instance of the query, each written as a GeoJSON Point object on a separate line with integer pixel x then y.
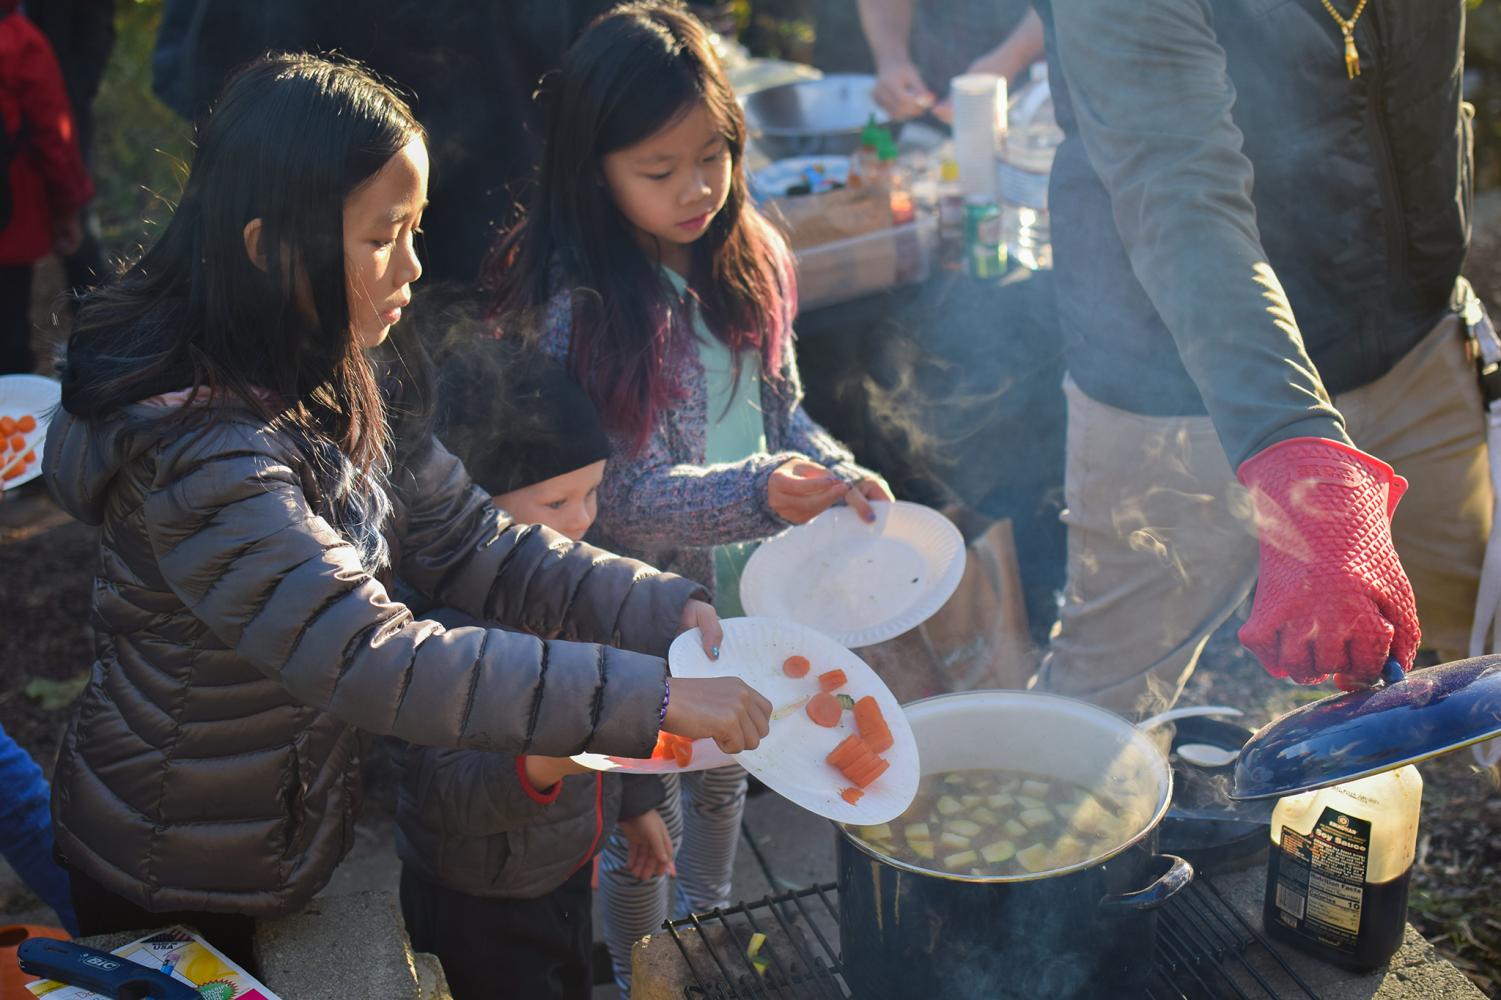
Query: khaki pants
{"type": "Point", "coordinates": [1162, 549]}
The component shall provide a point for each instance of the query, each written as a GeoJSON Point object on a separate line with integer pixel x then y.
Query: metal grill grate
{"type": "Point", "coordinates": [1205, 951]}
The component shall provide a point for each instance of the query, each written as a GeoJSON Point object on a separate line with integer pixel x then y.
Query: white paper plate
{"type": "Point", "coordinates": [858, 583]}
{"type": "Point", "coordinates": [706, 754]}
{"type": "Point", "coordinates": [20, 395]}
{"type": "Point", "coordinates": [790, 761]}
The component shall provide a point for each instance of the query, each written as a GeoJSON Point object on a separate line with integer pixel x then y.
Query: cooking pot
{"type": "Point", "coordinates": [1081, 931]}
{"type": "Point", "coordinates": [820, 117]}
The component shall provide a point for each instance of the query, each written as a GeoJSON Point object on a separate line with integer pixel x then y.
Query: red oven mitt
{"type": "Point", "coordinates": [1332, 597]}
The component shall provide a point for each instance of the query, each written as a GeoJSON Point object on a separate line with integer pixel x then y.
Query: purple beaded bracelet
{"type": "Point", "coordinates": [666, 697]}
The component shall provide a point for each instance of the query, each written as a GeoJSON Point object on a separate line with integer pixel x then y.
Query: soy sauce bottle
{"type": "Point", "coordinates": [1340, 866]}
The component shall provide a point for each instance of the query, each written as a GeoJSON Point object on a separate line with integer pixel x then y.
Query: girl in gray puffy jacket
{"type": "Point", "coordinates": [224, 422]}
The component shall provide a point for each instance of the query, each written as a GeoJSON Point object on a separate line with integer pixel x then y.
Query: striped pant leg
{"type": "Point", "coordinates": [713, 803]}
{"type": "Point", "coordinates": [633, 907]}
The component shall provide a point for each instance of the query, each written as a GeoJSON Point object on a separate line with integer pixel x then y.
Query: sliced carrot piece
{"type": "Point", "coordinates": [868, 717]}
{"type": "Point", "coordinates": [683, 752]}
{"type": "Point", "coordinates": [833, 680]}
{"type": "Point", "coordinates": [7, 426]}
{"type": "Point", "coordinates": [845, 752]}
{"type": "Point", "coordinates": [824, 709]}
{"type": "Point", "coordinates": [17, 441]}
{"type": "Point", "coordinates": [851, 795]}
{"type": "Point", "coordinates": [872, 725]}
{"type": "Point", "coordinates": [864, 759]}
{"type": "Point", "coordinates": [26, 424]}
{"type": "Point", "coordinates": [30, 457]}
{"type": "Point", "coordinates": [870, 774]}
{"type": "Point", "coordinates": [12, 472]}
{"type": "Point", "coordinates": [796, 666]}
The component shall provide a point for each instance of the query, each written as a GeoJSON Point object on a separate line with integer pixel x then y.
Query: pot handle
{"type": "Point", "coordinates": [1167, 885]}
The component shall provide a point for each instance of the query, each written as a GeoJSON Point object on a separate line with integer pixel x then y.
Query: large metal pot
{"type": "Point", "coordinates": [1082, 931]}
{"type": "Point", "coordinates": [820, 117]}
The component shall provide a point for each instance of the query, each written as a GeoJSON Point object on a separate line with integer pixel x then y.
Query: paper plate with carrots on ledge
{"type": "Point", "coordinates": [839, 744]}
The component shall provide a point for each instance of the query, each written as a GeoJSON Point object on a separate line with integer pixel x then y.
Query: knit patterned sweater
{"type": "Point", "coordinates": [665, 505]}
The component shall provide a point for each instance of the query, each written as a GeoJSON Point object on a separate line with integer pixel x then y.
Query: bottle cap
{"type": "Point", "coordinates": [949, 172]}
{"type": "Point", "coordinates": [886, 150]}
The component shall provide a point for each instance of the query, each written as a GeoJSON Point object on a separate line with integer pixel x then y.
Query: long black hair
{"type": "Point", "coordinates": [290, 138]}
{"type": "Point", "coordinates": [634, 71]}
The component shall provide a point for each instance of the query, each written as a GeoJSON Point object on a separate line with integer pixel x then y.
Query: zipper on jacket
{"type": "Point", "coordinates": [599, 823]}
{"type": "Point", "coordinates": [1386, 162]}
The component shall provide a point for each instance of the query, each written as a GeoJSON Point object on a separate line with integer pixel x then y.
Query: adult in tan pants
{"type": "Point", "coordinates": [1162, 545]}
{"type": "Point", "coordinates": [1260, 211]}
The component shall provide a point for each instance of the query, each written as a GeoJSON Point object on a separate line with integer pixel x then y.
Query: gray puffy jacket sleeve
{"type": "Point", "coordinates": [238, 542]}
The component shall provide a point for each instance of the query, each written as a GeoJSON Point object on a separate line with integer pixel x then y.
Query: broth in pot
{"type": "Point", "coordinates": [997, 823]}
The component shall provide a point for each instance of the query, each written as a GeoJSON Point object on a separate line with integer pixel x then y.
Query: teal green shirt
{"type": "Point", "coordinates": [736, 431]}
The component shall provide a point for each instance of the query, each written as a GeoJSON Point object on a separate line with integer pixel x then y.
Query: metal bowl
{"type": "Point", "coordinates": [820, 117]}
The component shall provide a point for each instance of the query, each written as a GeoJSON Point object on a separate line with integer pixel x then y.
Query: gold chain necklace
{"type": "Point", "coordinates": [1347, 28]}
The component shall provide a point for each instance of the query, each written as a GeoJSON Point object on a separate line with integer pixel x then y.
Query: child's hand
{"type": "Point", "coordinates": [724, 709]}
{"type": "Point", "coordinates": [67, 234]}
{"type": "Point", "coordinates": [801, 489]}
{"type": "Point", "coordinates": [544, 772]}
{"type": "Point", "coordinates": [651, 847]}
{"type": "Point", "coordinates": [702, 616]}
{"type": "Point", "coordinates": [862, 493]}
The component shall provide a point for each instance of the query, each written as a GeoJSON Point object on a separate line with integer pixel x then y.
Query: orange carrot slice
{"type": "Point", "coordinates": [26, 424]}
{"type": "Point", "coordinates": [683, 753]}
{"type": "Point", "coordinates": [845, 752]}
{"type": "Point", "coordinates": [796, 666]}
{"type": "Point", "coordinates": [870, 773]}
{"type": "Point", "coordinates": [872, 725]}
{"type": "Point", "coordinates": [851, 795]}
{"type": "Point", "coordinates": [17, 441]}
{"type": "Point", "coordinates": [7, 426]}
{"type": "Point", "coordinates": [833, 680]}
{"type": "Point", "coordinates": [824, 709]}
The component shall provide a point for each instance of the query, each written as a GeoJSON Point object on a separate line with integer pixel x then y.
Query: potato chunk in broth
{"type": "Point", "coordinates": [995, 822]}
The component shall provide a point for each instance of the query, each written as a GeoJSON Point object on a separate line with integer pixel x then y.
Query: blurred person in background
{"type": "Point", "coordinates": [46, 184]}
{"type": "Point", "coordinates": [920, 45]}
{"type": "Point", "coordinates": [469, 68]}
{"type": "Point", "coordinates": [82, 33]}
{"type": "Point", "coordinates": [1260, 211]}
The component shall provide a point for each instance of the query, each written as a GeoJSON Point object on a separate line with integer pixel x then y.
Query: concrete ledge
{"type": "Point", "coordinates": [346, 946]}
{"type": "Point", "coordinates": [339, 947]}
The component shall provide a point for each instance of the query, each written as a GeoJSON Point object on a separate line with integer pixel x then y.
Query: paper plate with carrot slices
{"type": "Point", "coordinates": [672, 754]}
{"type": "Point", "coordinates": [859, 583]}
{"type": "Point", "coordinates": [26, 404]}
{"type": "Point", "coordinates": [839, 744]}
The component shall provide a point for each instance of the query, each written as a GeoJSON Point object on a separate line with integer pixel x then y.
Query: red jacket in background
{"type": "Point", "coordinates": [47, 175]}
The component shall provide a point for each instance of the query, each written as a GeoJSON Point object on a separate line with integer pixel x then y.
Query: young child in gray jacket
{"type": "Point", "coordinates": [496, 848]}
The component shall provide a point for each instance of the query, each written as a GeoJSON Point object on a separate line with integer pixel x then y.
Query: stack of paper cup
{"type": "Point", "coordinates": [979, 101]}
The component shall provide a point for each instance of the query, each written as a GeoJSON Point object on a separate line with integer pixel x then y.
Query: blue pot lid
{"type": "Point", "coordinates": [1343, 737]}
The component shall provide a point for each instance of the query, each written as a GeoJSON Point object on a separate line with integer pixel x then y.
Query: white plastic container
{"type": "Point", "coordinates": [1340, 865]}
{"type": "Point", "coordinates": [979, 101]}
{"type": "Point", "coordinates": [1032, 139]}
